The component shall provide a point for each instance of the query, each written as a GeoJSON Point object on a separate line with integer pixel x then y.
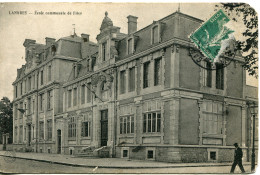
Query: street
{"type": "Point", "coordinates": [30, 166]}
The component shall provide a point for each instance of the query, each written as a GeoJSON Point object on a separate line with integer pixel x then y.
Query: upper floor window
{"type": "Point", "coordinates": [157, 71]}
{"type": "Point", "coordinates": [29, 83]}
{"type": "Point", "coordinates": [219, 76]}
{"type": "Point", "coordinates": [146, 74]}
{"type": "Point", "coordinates": [89, 93]}
{"type": "Point", "coordinates": [41, 102]}
{"type": "Point", "coordinates": [69, 98]}
{"type": "Point", "coordinates": [21, 107]}
{"type": "Point", "coordinates": [21, 88]}
{"type": "Point", "coordinates": [74, 71]}
{"type": "Point", "coordinates": [16, 91]}
{"type": "Point", "coordinates": [49, 73]}
{"type": "Point", "coordinates": [83, 89]}
{"type": "Point", "coordinates": [104, 48]}
{"type": "Point", "coordinates": [130, 46]}
{"type": "Point", "coordinates": [122, 81]}
{"type": "Point", "coordinates": [131, 79]}
{"type": "Point", "coordinates": [41, 77]}
{"type": "Point", "coordinates": [75, 99]}
{"type": "Point", "coordinates": [49, 99]}
{"type": "Point", "coordinates": [29, 106]}
{"type": "Point", "coordinates": [209, 74]}
{"type": "Point", "coordinates": [155, 34]}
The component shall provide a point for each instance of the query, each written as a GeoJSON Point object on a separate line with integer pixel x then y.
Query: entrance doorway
{"type": "Point", "coordinates": [59, 141]}
{"type": "Point", "coordinates": [104, 127]}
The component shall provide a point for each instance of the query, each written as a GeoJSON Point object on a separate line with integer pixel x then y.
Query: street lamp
{"type": "Point", "coordinates": [253, 113]}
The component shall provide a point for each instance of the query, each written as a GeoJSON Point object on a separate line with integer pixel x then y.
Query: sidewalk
{"type": "Point", "coordinates": [106, 162]}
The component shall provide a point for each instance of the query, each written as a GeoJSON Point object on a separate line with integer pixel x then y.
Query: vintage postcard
{"type": "Point", "coordinates": [128, 88]}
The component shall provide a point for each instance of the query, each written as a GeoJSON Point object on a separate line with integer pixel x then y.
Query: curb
{"type": "Point", "coordinates": [118, 167]}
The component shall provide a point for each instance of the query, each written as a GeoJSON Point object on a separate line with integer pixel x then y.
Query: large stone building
{"type": "Point", "coordinates": [137, 95]}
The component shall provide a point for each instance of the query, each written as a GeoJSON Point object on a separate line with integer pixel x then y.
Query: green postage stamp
{"type": "Point", "coordinates": [210, 36]}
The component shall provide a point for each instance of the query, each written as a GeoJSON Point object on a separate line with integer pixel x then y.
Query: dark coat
{"type": "Point", "coordinates": [238, 154]}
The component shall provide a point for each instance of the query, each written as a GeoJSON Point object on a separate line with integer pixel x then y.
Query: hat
{"type": "Point", "coordinates": [235, 144]}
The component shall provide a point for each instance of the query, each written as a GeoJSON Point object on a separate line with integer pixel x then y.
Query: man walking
{"type": "Point", "coordinates": [237, 159]}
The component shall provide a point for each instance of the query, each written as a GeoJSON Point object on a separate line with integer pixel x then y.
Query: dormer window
{"type": "Point", "coordinates": [155, 34]}
{"type": "Point", "coordinates": [130, 46]}
{"type": "Point", "coordinates": [53, 50]}
{"type": "Point", "coordinates": [104, 48]}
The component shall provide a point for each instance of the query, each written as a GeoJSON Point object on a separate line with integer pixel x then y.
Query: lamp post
{"type": "Point", "coordinates": [253, 113]}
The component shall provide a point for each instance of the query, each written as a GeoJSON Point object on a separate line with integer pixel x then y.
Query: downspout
{"type": "Point", "coordinates": [37, 106]}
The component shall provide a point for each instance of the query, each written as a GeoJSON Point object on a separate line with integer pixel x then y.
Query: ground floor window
{"type": "Point", "coordinates": [126, 124]}
{"type": "Point", "coordinates": [49, 129]}
{"type": "Point", "coordinates": [85, 129]}
{"type": "Point", "coordinates": [72, 127]}
{"type": "Point", "coordinates": [152, 122]}
{"type": "Point", "coordinates": [41, 126]}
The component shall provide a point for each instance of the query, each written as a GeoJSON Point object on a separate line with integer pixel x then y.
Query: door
{"type": "Point", "coordinates": [59, 141]}
{"type": "Point", "coordinates": [29, 135]}
{"type": "Point", "coordinates": [104, 128]}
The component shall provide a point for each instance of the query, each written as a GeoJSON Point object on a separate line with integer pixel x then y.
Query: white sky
{"type": "Point", "coordinates": [14, 29]}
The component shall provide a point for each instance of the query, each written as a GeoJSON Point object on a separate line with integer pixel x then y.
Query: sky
{"type": "Point", "coordinates": [14, 29]}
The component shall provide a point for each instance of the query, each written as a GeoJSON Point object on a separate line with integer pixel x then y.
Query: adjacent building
{"type": "Point", "coordinates": [137, 95]}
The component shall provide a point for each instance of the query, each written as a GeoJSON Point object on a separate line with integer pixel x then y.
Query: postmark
{"type": "Point", "coordinates": [212, 37]}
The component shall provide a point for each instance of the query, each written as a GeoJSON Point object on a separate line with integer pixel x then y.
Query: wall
{"type": "Point", "coordinates": [233, 126]}
{"type": "Point", "coordinates": [189, 122]}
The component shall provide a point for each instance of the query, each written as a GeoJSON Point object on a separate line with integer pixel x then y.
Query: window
{"type": "Point", "coordinates": [15, 111]}
{"type": "Point", "coordinates": [16, 89]}
{"type": "Point", "coordinates": [146, 75]}
{"type": "Point", "coordinates": [157, 71]}
{"type": "Point", "coordinates": [131, 79]}
{"type": "Point", "coordinates": [42, 77]}
{"type": "Point", "coordinates": [104, 47]}
{"type": "Point", "coordinates": [213, 118]}
{"type": "Point", "coordinates": [72, 127]}
{"type": "Point", "coordinates": [127, 124]}
{"type": "Point", "coordinates": [15, 134]}
{"type": "Point", "coordinates": [49, 129]}
{"type": "Point", "coordinates": [219, 76]}
{"type": "Point", "coordinates": [74, 71]}
{"type": "Point", "coordinates": [21, 88]}
{"type": "Point", "coordinates": [88, 93]}
{"type": "Point", "coordinates": [25, 109]}
{"type": "Point", "coordinates": [85, 128]}
{"type": "Point", "coordinates": [155, 35]}
{"type": "Point", "coordinates": [21, 134]}
{"type": "Point", "coordinates": [125, 153]}
{"type": "Point", "coordinates": [29, 83]}
{"type": "Point", "coordinates": [69, 98]}
{"type": "Point", "coordinates": [49, 99]}
{"type": "Point", "coordinates": [83, 94]}
{"type": "Point", "coordinates": [41, 126]}
{"type": "Point", "coordinates": [209, 74]}
{"type": "Point", "coordinates": [130, 46]}
{"type": "Point", "coordinates": [33, 81]}
{"type": "Point", "coordinates": [21, 107]}
{"type": "Point", "coordinates": [49, 73]}
{"type": "Point", "coordinates": [122, 81]}
{"type": "Point", "coordinates": [152, 122]}
{"type": "Point", "coordinates": [149, 154]}
{"type": "Point", "coordinates": [75, 99]}
{"type": "Point", "coordinates": [41, 102]}
{"type": "Point", "coordinates": [29, 106]}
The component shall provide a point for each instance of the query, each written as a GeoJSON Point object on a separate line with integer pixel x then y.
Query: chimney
{"type": "Point", "coordinates": [27, 42]}
{"type": "Point", "coordinates": [132, 24]}
{"type": "Point", "coordinates": [48, 41]}
{"type": "Point", "coordinates": [85, 37]}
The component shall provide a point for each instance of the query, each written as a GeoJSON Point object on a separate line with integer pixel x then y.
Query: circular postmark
{"type": "Point", "coordinates": [9, 156]}
{"type": "Point", "coordinates": [204, 62]}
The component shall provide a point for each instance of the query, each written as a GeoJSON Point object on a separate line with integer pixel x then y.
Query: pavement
{"type": "Point", "coordinates": [92, 162]}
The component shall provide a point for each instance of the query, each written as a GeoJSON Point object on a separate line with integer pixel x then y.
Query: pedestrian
{"type": "Point", "coordinates": [237, 159]}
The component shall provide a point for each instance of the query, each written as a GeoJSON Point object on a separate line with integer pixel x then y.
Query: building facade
{"type": "Point", "coordinates": [137, 95]}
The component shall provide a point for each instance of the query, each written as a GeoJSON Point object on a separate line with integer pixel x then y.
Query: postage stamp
{"type": "Point", "coordinates": [210, 36]}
